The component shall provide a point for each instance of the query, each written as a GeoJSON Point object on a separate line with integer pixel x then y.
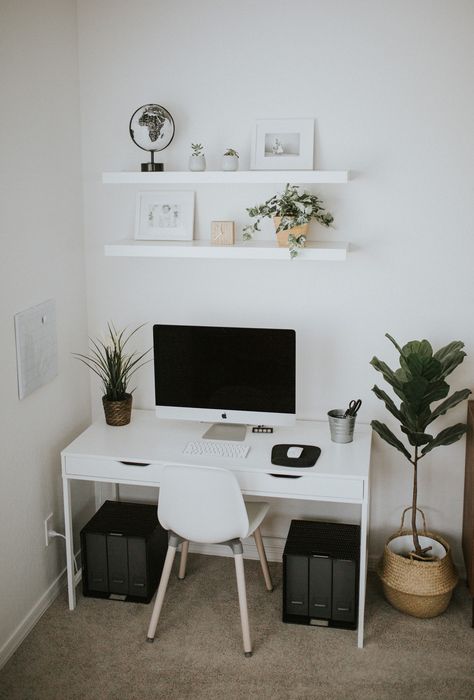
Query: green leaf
{"type": "Point", "coordinates": [388, 374]}
{"type": "Point", "coordinates": [387, 435]}
{"type": "Point", "coordinates": [450, 356]}
{"type": "Point", "coordinates": [389, 404]}
{"type": "Point", "coordinates": [416, 438]}
{"type": "Point", "coordinates": [446, 437]}
{"type": "Point", "coordinates": [450, 402]}
{"type": "Point", "coordinates": [422, 348]}
{"type": "Point", "coordinates": [420, 392]}
{"type": "Point", "coordinates": [421, 365]}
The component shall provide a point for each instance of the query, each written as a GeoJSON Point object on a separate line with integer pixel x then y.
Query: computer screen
{"type": "Point", "coordinates": [219, 374]}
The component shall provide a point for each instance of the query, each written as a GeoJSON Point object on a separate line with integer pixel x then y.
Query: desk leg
{"type": "Point", "coordinates": [71, 587]}
{"type": "Point", "coordinates": [364, 521]}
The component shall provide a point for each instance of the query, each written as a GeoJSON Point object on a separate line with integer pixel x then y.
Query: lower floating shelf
{"type": "Point", "coordinates": [242, 250]}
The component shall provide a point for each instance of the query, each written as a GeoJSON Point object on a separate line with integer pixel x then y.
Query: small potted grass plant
{"type": "Point", "coordinates": [114, 365]}
{"type": "Point", "coordinates": [291, 212]}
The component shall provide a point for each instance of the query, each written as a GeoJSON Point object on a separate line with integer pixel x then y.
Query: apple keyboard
{"type": "Point", "coordinates": [217, 448]}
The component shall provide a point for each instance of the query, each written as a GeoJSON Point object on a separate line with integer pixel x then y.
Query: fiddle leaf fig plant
{"type": "Point", "coordinates": [419, 382]}
{"type": "Point", "coordinates": [295, 209]}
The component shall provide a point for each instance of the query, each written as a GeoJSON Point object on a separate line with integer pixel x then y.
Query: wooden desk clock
{"type": "Point", "coordinates": [222, 232]}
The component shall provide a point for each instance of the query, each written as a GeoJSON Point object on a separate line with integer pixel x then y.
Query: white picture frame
{"type": "Point", "coordinates": [164, 216]}
{"type": "Point", "coordinates": [282, 144]}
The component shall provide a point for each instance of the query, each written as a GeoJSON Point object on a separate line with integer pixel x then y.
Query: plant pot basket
{"type": "Point", "coordinates": [118, 412]}
{"type": "Point", "coordinates": [418, 588]}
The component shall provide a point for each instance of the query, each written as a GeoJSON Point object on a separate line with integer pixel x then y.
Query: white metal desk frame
{"type": "Point", "coordinates": [135, 455]}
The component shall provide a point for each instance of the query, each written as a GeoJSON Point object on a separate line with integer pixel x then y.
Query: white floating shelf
{"type": "Point", "coordinates": [220, 177]}
{"type": "Point", "coordinates": [243, 250]}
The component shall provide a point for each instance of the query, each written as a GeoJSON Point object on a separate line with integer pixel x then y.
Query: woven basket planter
{"type": "Point", "coordinates": [118, 412]}
{"type": "Point", "coordinates": [418, 588]}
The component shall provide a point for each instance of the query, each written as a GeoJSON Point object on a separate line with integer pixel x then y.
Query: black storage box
{"type": "Point", "coordinates": [123, 552]}
{"type": "Point", "coordinates": [321, 574]}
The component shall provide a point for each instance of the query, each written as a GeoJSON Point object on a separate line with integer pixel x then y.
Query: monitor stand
{"type": "Point", "coordinates": [226, 431]}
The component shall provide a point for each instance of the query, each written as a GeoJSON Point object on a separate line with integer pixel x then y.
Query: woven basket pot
{"type": "Point", "coordinates": [418, 588]}
{"type": "Point", "coordinates": [282, 236]}
{"type": "Point", "coordinates": [118, 412]}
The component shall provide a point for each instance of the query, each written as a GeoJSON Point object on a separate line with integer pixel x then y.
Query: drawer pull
{"type": "Point", "coordinates": [286, 476]}
{"type": "Point", "coordinates": [135, 464]}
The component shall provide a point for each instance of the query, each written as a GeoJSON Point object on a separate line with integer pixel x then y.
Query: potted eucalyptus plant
{"type": "Point", "coordinates": [416, 569]}
{"type": "Point", "coordinates": [197, 159]}
{"type": "Point", "coordinates": [230, 160]}
{"type": "Point", "coordinates": [291, 212]}
{"type": "Point", "coordinates": [114, 365]}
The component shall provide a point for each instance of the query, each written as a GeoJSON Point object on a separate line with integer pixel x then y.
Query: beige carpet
{"type": "Point", "coordinates": [99, 650]}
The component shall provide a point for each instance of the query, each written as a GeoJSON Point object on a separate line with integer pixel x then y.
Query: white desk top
{"type": "Point", "coordinates": [149, 439]}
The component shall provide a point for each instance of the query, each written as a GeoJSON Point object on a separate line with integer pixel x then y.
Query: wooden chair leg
{"type": "Point", "coordinates": [244, 615]}
{"type": "Point", "coordinates": [263, 559]}
{"type": "Point", "coordinates": [183, 559]}
{"type": "Point", "coordinates": [160, 596]}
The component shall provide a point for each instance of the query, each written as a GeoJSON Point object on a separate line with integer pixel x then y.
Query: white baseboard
{"type": "Point", "coordinates": [29, 621]}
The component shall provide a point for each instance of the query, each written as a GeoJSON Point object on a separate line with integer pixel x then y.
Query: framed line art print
{"type": "Point", "coordinates": [282, 144]}
{"type": "Point", "coordinates": [164, 216]}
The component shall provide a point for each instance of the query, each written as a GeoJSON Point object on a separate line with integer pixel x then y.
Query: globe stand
{"type": "Point", "coordinates": [152, 167]}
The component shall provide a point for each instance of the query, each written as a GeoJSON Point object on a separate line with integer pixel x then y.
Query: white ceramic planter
{"type": "Point", "coordinates": [230, 163]}
{"type": "Point", "coordinates": [197, 163]}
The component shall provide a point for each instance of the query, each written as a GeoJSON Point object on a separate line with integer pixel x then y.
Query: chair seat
{"type": "Point", "coordinates": [256, 511]}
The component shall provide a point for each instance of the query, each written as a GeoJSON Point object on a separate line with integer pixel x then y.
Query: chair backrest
{"type": "Point", "coordinates": [202, 504]}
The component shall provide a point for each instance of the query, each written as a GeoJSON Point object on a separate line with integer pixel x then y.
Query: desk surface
{"type": "Point", "coordinates": [149, 439]}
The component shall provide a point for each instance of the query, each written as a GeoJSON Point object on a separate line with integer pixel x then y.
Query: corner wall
{"type": "Point", "coordinates": [42, 257]}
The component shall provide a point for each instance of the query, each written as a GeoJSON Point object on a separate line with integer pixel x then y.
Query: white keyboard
{"type": "Point", "coordinates": [217, 448]}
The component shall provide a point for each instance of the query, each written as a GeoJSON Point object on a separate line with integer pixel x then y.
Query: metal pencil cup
{"type": "Point", "coordinates": [342, 428]}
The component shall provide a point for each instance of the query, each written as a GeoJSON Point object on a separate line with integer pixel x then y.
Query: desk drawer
{"type": "Point", "coordinates": [112, 470]}
{"type": "Point", "coordinates": [305, 487]}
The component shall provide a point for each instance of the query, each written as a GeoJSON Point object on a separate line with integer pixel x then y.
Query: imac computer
{"type": "Point", "coordinates": [222, 375]}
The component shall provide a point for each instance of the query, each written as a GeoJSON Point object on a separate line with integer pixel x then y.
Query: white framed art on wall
{"type": "Point", "coordinates": [164, 216]}
{"type": "Point", "coordinates": [282, 144]}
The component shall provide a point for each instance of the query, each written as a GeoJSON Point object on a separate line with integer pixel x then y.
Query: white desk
{"type": "Point", "coordinates": [135, 454]}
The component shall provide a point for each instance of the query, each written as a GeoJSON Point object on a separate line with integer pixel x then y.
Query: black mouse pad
{"type": "Point", "coordinates": [308, 457]}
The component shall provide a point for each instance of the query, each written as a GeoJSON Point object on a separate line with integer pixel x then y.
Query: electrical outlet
{"type": "Point", "coordinates": [48, 525]}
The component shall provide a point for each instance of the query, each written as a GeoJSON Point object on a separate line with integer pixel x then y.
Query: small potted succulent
{"type": "Point", "coordinates": [197, 159]}
{"type": "Point", "coordinates": [230, 160]}
{"type": "Point", "coordinates": [291, 212]}
{"type": "Point", "coordinates": [114, 366]}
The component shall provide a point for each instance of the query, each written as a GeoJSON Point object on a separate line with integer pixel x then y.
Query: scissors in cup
{"type": "Point", "coordinates": [353, 408]}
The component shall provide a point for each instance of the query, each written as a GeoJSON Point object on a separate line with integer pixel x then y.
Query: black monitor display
{"type": "Point", "coordinates": [221, 369]}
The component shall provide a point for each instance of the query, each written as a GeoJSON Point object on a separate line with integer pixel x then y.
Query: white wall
{"type": "Point", "coordinates": [42, 257]}
{"type": "Point", "coordinates": [390, 87]}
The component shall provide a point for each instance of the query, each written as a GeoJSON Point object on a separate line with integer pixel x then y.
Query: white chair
{"type": "Point", "coordinates": [204, 504]}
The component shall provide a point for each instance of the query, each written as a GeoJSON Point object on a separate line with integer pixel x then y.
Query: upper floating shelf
{"type": "Point", "coordinates": [221, 177]}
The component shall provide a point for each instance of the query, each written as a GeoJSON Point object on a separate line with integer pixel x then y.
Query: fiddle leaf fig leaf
{"type": "Point", "coordinates": [387, 435]}
{"type": "Point", "coordinates": [416, 439]}
{"type": "Point", "coordinates": [389, 404]}
{"type": "Point", "coordinates": [450, 356]}
{"type": "Point", "coordinates": [446, 437]}
{"type": "Point", "coordinates": [421, 348]}
{"type": "Point", "coordinates": [450, 402]}
{"type": "Point", "coordinates": [388, 374]}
